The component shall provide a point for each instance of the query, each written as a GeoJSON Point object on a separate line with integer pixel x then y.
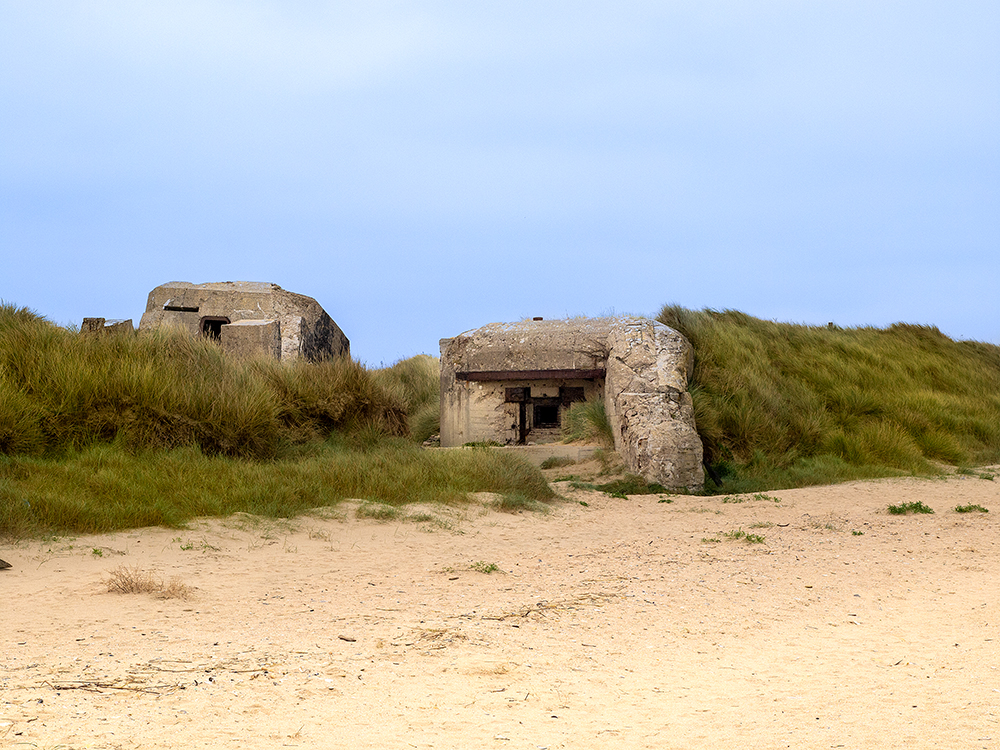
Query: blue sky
{"type": "Point", "coordinates": [426, 168]}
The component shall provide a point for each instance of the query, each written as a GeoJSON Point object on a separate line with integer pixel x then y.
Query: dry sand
{"type": "Point", "coordinates": [616, 624]}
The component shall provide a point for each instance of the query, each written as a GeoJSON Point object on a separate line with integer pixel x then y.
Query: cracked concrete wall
{"type": "Point", "coordinates": [644, 370]}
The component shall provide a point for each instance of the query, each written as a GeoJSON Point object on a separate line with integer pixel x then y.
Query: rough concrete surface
{"type": "Point", "coordinates": [306, 330]}
{"type": "Point", "coordinates": [638, 366]}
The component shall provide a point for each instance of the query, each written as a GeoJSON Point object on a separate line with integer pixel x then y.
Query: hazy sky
{"type": "Point", "coordinates": [423, 168]}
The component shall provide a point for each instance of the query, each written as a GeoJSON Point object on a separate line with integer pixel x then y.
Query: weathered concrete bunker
{"type": "Point", "coordinates": [248, 317]}
{"type": "Point", "coordinates": [512, 382]}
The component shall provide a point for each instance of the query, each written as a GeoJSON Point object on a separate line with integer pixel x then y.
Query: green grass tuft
{"type": "Point", "coordinates": [485, 567]}
{"type": "Point", "coordinates": [970, 509]}
{"type": "Point", "coordinates": [631, 484]}
{"type": "Point", "coordinates": [588, 420]}
{"type": "Point", "coordinates": [741, 534]}
{"type": "Point", "coordinates": [905, 508]}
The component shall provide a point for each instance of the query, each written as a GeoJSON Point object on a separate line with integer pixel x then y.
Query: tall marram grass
{"type": "Point", "coordinates": [102, 488]}
{"type": "Point", "coordinates": [99, 433]}
{"type": "Point", "coordinates": [588, 420]}
{"type": "Point", "coordinates": [417, 383]}
{"type": "Point", "coordinates": [784, 404]}
{"type": "Point", "coordinates": [61, 390]}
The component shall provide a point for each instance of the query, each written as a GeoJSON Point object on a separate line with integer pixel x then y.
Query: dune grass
{"type": "Point", "coordinates": [60, 390]}
{"type": "Point", "coordinates": [588, 420]}
{"type": "Point", "coordinates": [785, 405]}
{"type": "Point", "coordinates": [99, 433]}
{"type": "Point", "coordinates": [103, 488]}
{"type": "Point", "coordinates": [416, 382]}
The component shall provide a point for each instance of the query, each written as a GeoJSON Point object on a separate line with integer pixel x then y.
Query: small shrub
{"type": "Point", "coordinates": [857, 533]}
{"type": "Point", "coordinates": [970, 509]}
{"type": "Point", "coordinates": [904, 508]}
{"type": "Point", "coordinates": [760, 496]}
{"type": "Point", "coordinates": [610, 460]}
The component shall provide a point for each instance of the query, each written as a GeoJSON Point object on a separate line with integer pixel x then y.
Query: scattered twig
{"type": "Point", "coordinates": [98, 686]}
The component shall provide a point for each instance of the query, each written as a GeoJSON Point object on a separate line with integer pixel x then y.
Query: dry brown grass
{"type": "Point", "coordinates": [126, 580]}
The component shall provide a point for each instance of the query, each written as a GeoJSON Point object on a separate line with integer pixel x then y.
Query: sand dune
{"type": "Point", "coordinates": [619, 623]}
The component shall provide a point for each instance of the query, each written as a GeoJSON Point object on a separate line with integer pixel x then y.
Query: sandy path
{"type": "Point", "coordinates": [616, 624]}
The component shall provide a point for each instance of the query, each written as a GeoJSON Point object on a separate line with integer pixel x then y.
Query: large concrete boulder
{"type": "Point", "coordinates": [646, 399]}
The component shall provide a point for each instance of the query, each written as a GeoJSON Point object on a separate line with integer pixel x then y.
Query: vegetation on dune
{"type": "Point", "coordinates": [103, 488]}
{"type": "Point", "coordinates": [60, 390]}
{"type": "Point", "coordinates": [784, 405]}
{"type": "Point", "coordinates": [588, 420]}
{"type": "Point", "coordinates": [99, 433]}
{"type": "Point", "coordinates": [416, 382]}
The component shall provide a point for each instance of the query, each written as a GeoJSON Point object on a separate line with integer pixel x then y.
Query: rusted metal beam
{"type": "Point", "coordinates": [494, 375]}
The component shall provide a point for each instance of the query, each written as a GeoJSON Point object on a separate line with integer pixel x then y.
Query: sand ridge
{"type": "Point", "coordinates": [617, 623]}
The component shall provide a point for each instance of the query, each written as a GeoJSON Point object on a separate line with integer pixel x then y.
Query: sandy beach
{"type": "Point", "coordinates": [626, 623]}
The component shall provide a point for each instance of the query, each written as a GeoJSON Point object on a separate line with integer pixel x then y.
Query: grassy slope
{"type": "Point", "coordinates": [103, 488]}
{"type": "Point", "coordinates": [106, 432]}
{"type": "Point", "coordinates": [60, 390]}
{"type": "Point", "coordinates": [787, 405]}
{"type": "Point", "coordinates": [100, 433]}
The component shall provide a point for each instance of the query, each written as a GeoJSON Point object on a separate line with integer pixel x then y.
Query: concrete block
{"type": "Point", "coordinates": [248, 338]}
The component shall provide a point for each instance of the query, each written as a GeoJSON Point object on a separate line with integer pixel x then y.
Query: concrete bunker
{"type": "Point", "coordinates": [512, 383]}
{"type": "Point", "coordinates": [248, 317]}
{"type": "Point", "coordinates": [114, 326]}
